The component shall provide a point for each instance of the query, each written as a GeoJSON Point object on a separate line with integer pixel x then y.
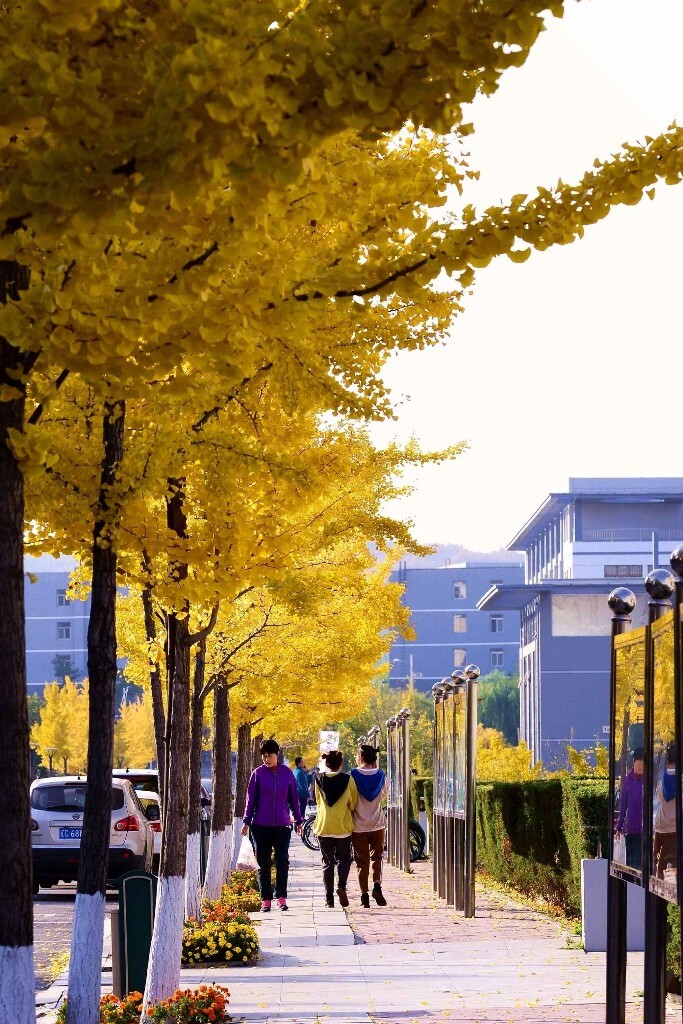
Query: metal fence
{"type": "Point", "coordinates": [398, 787]}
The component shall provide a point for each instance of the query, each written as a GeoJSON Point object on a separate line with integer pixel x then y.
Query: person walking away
{"type": "Point", "coordinates": [630, 820]}
{"type": "Point", "coordinates": [272, 802]}
{"type": "Point", "coordinates": [369, 824]}
{"type": "Point", "coordinates": [335, 798]}
{"type": "Point", "coordinates": [301, 783]}
{"type": "Point", "coordinates": [664, 846]}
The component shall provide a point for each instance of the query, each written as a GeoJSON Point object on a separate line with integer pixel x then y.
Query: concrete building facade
{"type": "Point", "coordinates": [451, 631]}
{"type": "Point", "coordinates": [56, 628]}
{"type": "Point", "coordinates": [578, 546]}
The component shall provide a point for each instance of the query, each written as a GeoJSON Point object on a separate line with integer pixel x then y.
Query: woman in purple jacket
{"type": "Point", "coordinates": [630, 821]}
{"type": "Point", "coordinates": [271, 795]}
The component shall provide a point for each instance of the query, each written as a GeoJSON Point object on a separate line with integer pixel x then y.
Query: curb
{"type": "Point", "coordinates": [48, 1000]}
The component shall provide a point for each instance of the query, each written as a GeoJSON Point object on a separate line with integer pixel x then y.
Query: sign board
{"type": "Point", "coordinates": [328, 741]}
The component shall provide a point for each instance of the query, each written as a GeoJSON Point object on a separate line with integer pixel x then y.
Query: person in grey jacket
{"type": "Point", "coordinates": [272, 802]}
{"type": "Point", "coordinates": [369, 824]}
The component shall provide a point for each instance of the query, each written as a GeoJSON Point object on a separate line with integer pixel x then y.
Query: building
{"type": "Point", "coordinates": [451, 632]}
{"type": "Point", "coordinates": [56, 628]}
{"type": "Point", "coordinates": [578, 546]}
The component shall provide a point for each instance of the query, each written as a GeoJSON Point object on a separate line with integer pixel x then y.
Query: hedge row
{"type": "Point", "coordinates": [533, 835]}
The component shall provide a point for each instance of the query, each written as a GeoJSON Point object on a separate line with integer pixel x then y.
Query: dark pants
{"type": "Point", "coordinates": [268, 840]}
{"type": "Point", "coordinates": [335, 851]}
{"type": "Point", "coordinates": [634, 850]}
{"type": "Point", "coordinates": [303, 803]}
{"type": "Point", "coordinates": [664, 852]}
{"type": "Point", "coordinates": [368, 848]}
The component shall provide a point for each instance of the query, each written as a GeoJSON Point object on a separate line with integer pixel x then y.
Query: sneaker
{"type": "Point", "coordinates": [282, 903]}
{"type": "Point", "coordinates": [343, 898]}
{"type": "Point", "coordinates": [378, 896]}
{"type": "Point", "coordinates": [365, 900]}
{"type": "Point", "coordinates": [265, 906]}
{"type": "Point", "coordinates": [329, 900]}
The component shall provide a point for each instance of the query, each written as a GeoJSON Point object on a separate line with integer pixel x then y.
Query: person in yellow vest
{"type": "Point", "coordinates": [336, 797]}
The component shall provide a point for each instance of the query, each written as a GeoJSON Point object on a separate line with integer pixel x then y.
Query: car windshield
{"type": "Point", "coordinates": [68, 796]}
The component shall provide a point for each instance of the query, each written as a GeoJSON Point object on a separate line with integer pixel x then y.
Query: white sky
{"type": "Point", "coordinates": [565, 365]}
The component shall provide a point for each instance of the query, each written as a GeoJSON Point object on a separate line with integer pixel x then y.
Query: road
{"type": "Point", "coordinates": [53, 911]}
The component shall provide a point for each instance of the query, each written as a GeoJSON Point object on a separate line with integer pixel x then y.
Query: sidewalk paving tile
{"type": "Point", "coordinates": [413, 962]}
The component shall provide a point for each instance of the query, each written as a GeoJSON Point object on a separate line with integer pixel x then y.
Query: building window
{"type": "Point", "coordinates": [496, 623]}
{"type": "Point", "coordinates": [63, 630]}
{"type": "Point", "coordinates": [623, 572]}
{"type": "Point", "coordinates": [459, 623]}
{"type": "Point", "coordinates": [62, 600]}
{"type": "Point", "coordinates": [497, 659]}
{"type": "Point", "coordinates": [459, 590]}
{"type": "Point", "coordinates": [459, 657]}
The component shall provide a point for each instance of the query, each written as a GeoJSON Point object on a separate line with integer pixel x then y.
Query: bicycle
{"type": "Point", "coordinates": [416, 837]}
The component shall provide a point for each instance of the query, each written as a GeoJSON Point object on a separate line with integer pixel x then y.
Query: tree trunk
{"type": "Point", "coordinates": [156, 690]}
{"type": "Point", "coordinates": [221, 819]}
{"type": "Point", "coordinates": [193, 903]}
{"type": "Point", "coordinates": [17, 982]}
{"type": "Point", "coordinates": [244, 762]}
{"type": "Point", "coordinates": [163, 974]}
{"type": "Point", "coordinates": [88, 930]}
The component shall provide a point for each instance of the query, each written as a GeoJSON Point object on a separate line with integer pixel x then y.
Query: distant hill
{"type": "Point", "coordinates": [450, 553]}
{"type": "Point", "coordinates": [453, 553]}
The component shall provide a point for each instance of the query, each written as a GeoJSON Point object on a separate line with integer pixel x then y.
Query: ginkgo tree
{"type": "Point", "coordinates": [192, 154]}
{"type": "Point", "coordinates": [333, 469]}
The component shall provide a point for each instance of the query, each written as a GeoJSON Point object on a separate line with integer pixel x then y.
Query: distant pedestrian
{"type": "Point", "coordinates": [336, 798]}
{"type": "Point", "coordinates": [302, 783]}
{"type": "Point", "coordinates": [272, 802]}
{"type": "Point", "coordinates": [369, 824]}
{"type": "Point", "coordinates": [630, 820]}
{"type": "Point", "coordinates": [664, 847]}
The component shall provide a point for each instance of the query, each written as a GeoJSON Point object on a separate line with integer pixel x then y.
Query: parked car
{"type": "Point", "coordinates": [57, 806]}
{"type": "Point", "coordinates": [151, 805]}
{"type": "Point", "coordinates": [146, 780]}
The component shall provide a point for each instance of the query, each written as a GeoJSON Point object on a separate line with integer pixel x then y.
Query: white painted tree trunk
{"type": "Point", "coordinates": [17, 985]}
{"type": "Point", "coordinates": [85, 963]}
{"type": "Point", "coordinates": [163, 974]}
{"type": "Point", "coordinates": [227, 859]}
{"type": "Point", "coordinates": [236, 841]}
{"type": "Point", "coordinates": [215, 865]}
{"type": "Point", "coordinates": [193, 896]}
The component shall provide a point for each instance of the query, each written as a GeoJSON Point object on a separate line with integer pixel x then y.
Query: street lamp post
{"type": "Point", "coordinates": [33, 767]}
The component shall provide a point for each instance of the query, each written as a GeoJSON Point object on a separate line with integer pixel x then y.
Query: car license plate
{"type": "Point", "coordinates": [70, 833]}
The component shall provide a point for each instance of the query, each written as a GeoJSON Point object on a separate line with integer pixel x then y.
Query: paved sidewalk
{"type": "Point", "coordinates": [413, 962]}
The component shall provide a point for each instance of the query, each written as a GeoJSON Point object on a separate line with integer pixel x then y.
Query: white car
{"type": "Point", "coordinates": [57, 806]}
{"type": "Point", "coordinates": [146, 780]}
{"type": "Point", "coordinates": [151, 805]}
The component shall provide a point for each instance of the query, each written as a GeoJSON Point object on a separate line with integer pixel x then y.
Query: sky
{"type": "Point", "coordinates": [564, 365]}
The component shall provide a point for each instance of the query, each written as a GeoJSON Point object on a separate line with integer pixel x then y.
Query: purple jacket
{"type": "Point", "coordinates": [270, 797]}
{"type": "Point", "coordinates": [630, 819]}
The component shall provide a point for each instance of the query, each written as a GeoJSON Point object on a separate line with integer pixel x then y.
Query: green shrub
{"type": "Point", "coordinates": [424, 790]}
{"type": "Point", "coordinates": [585, 820]}
{"type": "Point", "coordinates": [673, 946]}
{"type": "Point", "coordinates": [533, 835]}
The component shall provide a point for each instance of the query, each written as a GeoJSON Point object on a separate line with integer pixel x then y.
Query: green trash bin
{"type": "Point", "coordinates": [133, 939]}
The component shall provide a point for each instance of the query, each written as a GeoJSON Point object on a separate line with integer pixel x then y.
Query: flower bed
{"type": "Point", "coordinates": [205, 1005]}
{"type": "Point", "coordinates": [241, 892]}
{"type": "Point", "coordinates": [226, 934]}
{"type": "Point", "coordinates": [219, 942]}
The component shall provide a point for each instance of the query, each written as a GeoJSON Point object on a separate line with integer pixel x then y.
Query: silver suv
{"type": "Point", "coordinates": [57, 806]}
